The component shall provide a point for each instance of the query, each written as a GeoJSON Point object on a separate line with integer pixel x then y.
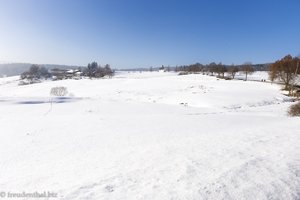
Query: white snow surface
{"type": "Point", "coordinates": [149, 136]}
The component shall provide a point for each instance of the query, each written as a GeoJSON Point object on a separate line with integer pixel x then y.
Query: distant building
{"type": "Point", "coordinates": [60, 74]}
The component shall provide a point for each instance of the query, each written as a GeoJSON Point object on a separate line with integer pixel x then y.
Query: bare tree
{"type": "Point", "coordinates": [296, 74]}
{"type": "Point", "coordinates": [232, 70]}
{"type": "Point", "coordinates": [247, 69]}
{"type": "Point", "coordinates": [285, 70]}
{"type": "Point", "coordinates": [221, 69]}
{"type": "Point", "coordinates": [212, 68]}
{"type": "Point", "coordinates": [168, 69]}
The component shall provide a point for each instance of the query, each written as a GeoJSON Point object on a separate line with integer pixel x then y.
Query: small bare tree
{"type": "Point", "coordinates": [59, 91]}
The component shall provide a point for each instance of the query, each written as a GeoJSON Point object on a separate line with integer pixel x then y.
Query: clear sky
{"type": "Point", "coordinates": [143, 33]}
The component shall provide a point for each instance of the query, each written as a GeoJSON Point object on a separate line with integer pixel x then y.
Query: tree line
{"type": "Point", "coordinates": [284, 70]}
{"type": "Point", "coordinates": [218, 69]}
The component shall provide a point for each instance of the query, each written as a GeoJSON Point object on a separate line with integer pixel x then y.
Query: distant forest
{"type": "Point", "coordinates": [14, 69]}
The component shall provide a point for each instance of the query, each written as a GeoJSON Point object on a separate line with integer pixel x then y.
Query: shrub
{"type": "Point", "coordinates": [294, 110]}
{"type": "Point", "coordinates": [227, 78]}
{"type": "Point", "coordinates": [59, 91]}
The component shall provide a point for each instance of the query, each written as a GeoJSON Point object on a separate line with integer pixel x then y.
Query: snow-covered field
{"type": "Point", "coordinates": [149, 136]}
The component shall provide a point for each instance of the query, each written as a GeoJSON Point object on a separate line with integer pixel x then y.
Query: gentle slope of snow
{"type": "Point", "coordinates": [150, 136]}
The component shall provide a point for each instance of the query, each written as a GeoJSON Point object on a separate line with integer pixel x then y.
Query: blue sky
{"type": "Point", "coordinates": [143, 33]}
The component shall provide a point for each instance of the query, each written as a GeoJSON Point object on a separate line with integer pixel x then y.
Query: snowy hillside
{"type": "Point", "coordinates": [149, 136]}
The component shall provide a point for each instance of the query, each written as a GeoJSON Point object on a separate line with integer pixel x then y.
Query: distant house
{"type": "Point", "coordinates": [162, 69]}
{"type": "Point", "coordinates": [60, 74]}
{"type": "Point", "coordinates": [73, 74]}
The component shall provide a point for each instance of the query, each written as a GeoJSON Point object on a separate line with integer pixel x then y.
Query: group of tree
{"type": "Point", "coordinates": [94, 70]}
{"type": "Point", "coordinates": [285, 70]}
{"type": "Point", "coordinates": [36, 72]}
{"type": "Point", "coordinates": [193, 68]}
